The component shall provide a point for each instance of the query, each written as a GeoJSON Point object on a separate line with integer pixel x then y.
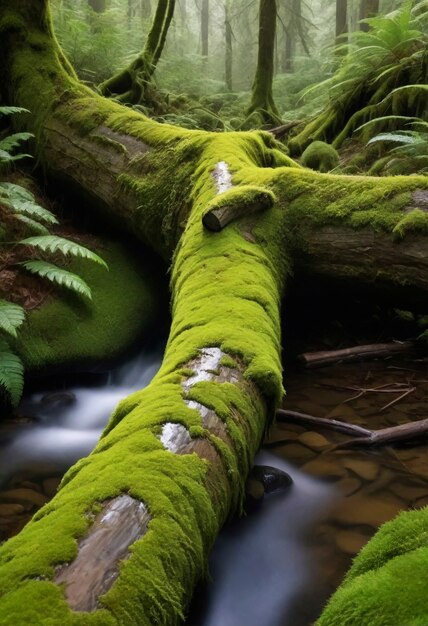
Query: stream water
{"type": "Point", "coordinates": [278, 565]}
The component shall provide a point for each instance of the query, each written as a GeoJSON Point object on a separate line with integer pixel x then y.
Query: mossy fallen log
{"type": "Point", "coordinates": [183, 446]}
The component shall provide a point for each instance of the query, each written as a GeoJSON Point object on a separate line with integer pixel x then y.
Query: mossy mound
{"type": "Point", "coordinates": [320, 156]}
{"type": "Point", "coordinates": [386, 583]}
{"type": "Point", "coordinates": [68, 331]}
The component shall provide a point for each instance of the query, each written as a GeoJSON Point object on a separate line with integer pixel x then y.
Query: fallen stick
{"type": "Point", "coordinates": [369, 351]}
{"type": "Point", "coordinates": [362, 437]}
{"type": "Point", "coordinates": [341, 427]}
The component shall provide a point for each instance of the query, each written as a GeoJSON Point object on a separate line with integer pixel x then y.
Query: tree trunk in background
{"type": "Point", "coordinates": [341, 20]}
{"type": "Point", "coordinates": [288, 51]}
{"type": "Point", "coordinates": [205, 23]}
{"type": "Point", "coordinates": [262, 102]}
{"type": "Point", "coordinates": [132, 84]}
{"type": "Point", "coordinates": [99, 6]}
{"type": "Point", "coordinates": [368, 8]}
{"type": "Point", "coordinates": [228, 59]}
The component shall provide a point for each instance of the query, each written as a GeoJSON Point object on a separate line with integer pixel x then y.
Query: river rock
{"type": "Point", "coordinates": [409, 492]}
{"type": "Point", "coordinates": [296, 452]}
{"type": "Point", "coordinates": [271, 478]}
{"type": "Point", "coordinates": [324, 469]}
{"type": "Point", "coordinates": [368, 511]}
{"type": "Point", "coordinates": [350, 542]}
{"type": "Point", "coordinates": [313, 440]}
{"type": "Point", "coordinates": [254, 493]}
{"type": "Point", "coordinates": [368, 470]}
{"type": "Point", "coordinates": [24, 496]}
{"type": "Point", "coordinates": [58, 397]}
{"type": "Point", "coordinates": [7, 509]}
{"type": "Point", "coordinates": [349, 485]}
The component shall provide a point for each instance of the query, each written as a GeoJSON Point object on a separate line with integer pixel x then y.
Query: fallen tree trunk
{"type": "Point", "coordinates": [181, 448]}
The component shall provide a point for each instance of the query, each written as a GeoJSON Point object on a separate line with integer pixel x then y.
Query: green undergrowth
{"type": "Point", "coordinates": [68, 331]}
{"type": "Point", "coordinates": [386, 583]}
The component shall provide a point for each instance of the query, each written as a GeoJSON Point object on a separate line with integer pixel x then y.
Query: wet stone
{"type": "Point", "coordinates": [367, 511]}
{"type": "Point", "coordinates": [409, 492]}
{"type": "Point", "coordinates": [7, 509]}
{"type": "Point", "coordinates": [324, 469]}
{"type": "Point", "coordinates": [349, 485]}
{"type": "Point", "coordinates": [296, 452]}
{"type": "Point", "coordinates": [271, 478]}
{"type": "Point", "coordinates": [254, 493]}
{"type": "Point", "coordinates": [24, 496]}
{"type": "Point", "coordinates": [313, 440]}
{"type": "Point", "coordinates": [58, 398]}
{"type": "Point", "coordinates": [368, 470]}
{"type": "Point", "coordinates": [350, 542]}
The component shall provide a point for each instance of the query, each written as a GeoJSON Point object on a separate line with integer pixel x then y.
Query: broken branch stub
{"type": "Point", "coordinates": [235, 203]}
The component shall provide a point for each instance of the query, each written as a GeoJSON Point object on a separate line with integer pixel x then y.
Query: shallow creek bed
{"type": "Point", "coordinates": [299, 543]}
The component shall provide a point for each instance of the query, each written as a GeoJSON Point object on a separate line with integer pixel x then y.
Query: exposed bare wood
{"type": "Point", "coordinates": [356, 353]}
{"type": "Point", "coordinates": [121, 522]}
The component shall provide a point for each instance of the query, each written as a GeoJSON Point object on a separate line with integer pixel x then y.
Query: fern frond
{"type": "Point", "coordinates": [13, 141]}
{"type": "Point", "coordinates": [11, 373]}
{"type": "Point", "coordinates": [10, 190]}
{"type": "Point", "coordinates": [28, 207]}
{"type": "Point", "coordinates": [6, 157]}
{"type": "Point", "coordinates": [385, 118]}
{"type": "Point", "coordinates": [4, 110]}
{"type": "Point", "coordinates": [399, 138]}
{"type": "Point", "coordinates": [59, 276]}
{"type": "Point", "coordinates": [52, 243]}
{"type": "Point", "coordinates": [11, 317]}
{"type": "Point", "coordinates": [32, 224]}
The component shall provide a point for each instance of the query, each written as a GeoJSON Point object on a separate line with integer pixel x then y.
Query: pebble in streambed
{"type": "Point", "coordinates": [264, 480]}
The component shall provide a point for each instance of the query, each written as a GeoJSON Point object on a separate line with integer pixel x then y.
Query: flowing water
{"type": "Point", "coordinates": [278, 565]}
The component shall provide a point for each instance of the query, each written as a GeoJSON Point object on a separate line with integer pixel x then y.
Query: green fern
{"type": "Point", "coordinates": [51, 243]}
{"type": "Point", "coordinates": [32, 224]}
{"type": "Point", "coordinates": [5, 110]}
{"type": "Point", "coordinates": [11, 317]}
{"type": "Point", "coordinates": [59, 276]}
{"type": "Point", "coordinates": [30, 208]}
{"type": "Point", "coordinates": [14, 141]}
{"type": "Point", "coordinates": [10, 190]}
{"type": "Point", "coordinates": [11, 373]}
{"type": "Point", "coordinates": [396, 137]}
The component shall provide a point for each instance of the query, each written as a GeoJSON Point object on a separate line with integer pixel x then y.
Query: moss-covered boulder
{"type": "Point", "coordinates": [320, 156]}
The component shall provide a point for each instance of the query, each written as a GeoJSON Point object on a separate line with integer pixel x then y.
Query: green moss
{"type": "Point", "coordinates": [67, 330]}
{"type": "Point", "coordinates": [320, 156]}
{"type": "Point", "coordinates": [373, 591]}
{"type": "Point", "coordinates": [227, 361]}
